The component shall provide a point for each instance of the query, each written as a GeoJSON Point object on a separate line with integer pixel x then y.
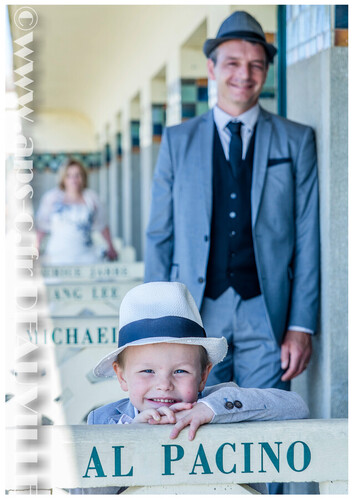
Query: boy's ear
{"type": "Point", "coordinates": [120, 374]}
{"type": "Point", "coordinates": [204, 376]}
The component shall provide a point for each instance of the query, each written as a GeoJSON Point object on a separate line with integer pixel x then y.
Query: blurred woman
{"type": "Point", "coordinates": [69, 214]}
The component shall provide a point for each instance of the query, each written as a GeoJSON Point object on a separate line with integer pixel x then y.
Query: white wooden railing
{"type": "Point", "coordinates": [105, 271]}
{"type": "Point", "coordinates": [98, 289]}
{"type": "Point", "coordinates": [98, 298]}
{"type": "Point", "coordinates": [221, 459]}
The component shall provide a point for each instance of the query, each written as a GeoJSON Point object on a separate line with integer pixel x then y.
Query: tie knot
{"type": "Point", "coordinates": [234, 127]}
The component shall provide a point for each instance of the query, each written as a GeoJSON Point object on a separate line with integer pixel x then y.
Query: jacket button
{"type": "Point", "coordinates": [229, 405]}
{"type": "Point", "coordinates": [238, 404]}
{"type": "Point", "coordinates": [200, 280]}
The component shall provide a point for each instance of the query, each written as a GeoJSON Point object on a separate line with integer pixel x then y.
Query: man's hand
{"type": "Point", "coordinates": [200, 414]}
{"type": "Point", "coordinates": [295, 353]}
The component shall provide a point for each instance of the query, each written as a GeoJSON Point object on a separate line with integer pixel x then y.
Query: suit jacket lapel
{"type": "Point", "coordinates": [205, 159]}
{"type": "Point", "coordinates": [123, 407]}
{"type": "Point", "coordinates": [261, 153]}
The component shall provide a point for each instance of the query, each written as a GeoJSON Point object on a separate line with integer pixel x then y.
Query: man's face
{"type": "Point", "coordinates": [161, 374]}
{"type": "Point", "coordinates": [240, 72]}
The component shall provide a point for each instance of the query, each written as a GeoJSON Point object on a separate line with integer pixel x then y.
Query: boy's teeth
{"type": "Point", "coordinates": [164, 400]}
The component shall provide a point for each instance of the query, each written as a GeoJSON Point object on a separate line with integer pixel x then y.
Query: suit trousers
{"type": "Point", "coordinates": [254, 356]}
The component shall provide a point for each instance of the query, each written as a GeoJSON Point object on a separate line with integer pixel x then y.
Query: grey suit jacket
{"type": "Point", "coordinates": [285, 217]}
{"type": "Point", "coordinates": [255, 404]}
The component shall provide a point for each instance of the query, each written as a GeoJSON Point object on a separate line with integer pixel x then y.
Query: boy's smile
{"type": "Point", "coordinates": [161, 374]}
{"type": "Point", "coordinates": [158, 402]}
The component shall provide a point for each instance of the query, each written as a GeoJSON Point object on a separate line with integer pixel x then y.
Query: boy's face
{"type": "Point", "coordinates": [158, 375]}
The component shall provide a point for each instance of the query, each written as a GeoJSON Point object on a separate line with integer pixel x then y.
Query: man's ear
{"type": "Point", "coordinates": [204, 376]}
{"type": "Point", "coordinates": [266, 72]}
{"type": "Point", "coordinates": [210, 69]}
{"type": "Point", "coordinates": [120, 374]}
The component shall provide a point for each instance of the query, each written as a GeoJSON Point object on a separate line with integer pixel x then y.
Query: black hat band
{"type": "Point", "coordinates": [167, 326]}
{"type": "Point", "coordinates": [243, 34]}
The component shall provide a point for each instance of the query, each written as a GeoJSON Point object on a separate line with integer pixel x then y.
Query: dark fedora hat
{"type": "Point", "coordinates": [240, 25]}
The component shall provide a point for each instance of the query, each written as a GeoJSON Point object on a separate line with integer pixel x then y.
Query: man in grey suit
{"type": "Point", "coordinates": [234, 216]}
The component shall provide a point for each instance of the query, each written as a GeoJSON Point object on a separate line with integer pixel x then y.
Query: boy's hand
{"type": "Point", "coordinates": [200, 414]}
{"type": "Point", "coordinates": [152, 415]}
{"type": "Point", "coordinates": [162, 415]}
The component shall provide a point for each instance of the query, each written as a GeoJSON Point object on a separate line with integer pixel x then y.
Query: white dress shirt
{"type": "Point", "coordinates": [248, 119]}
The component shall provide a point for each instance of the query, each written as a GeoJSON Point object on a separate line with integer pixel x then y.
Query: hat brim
{"type": "Point", "coordinates": [216, 349]}
{"type": "Point", "coordinates": [212, 43]}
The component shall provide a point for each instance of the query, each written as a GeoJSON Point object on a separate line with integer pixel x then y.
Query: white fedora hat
{"type": "Point", "coordinates": [159, 312]}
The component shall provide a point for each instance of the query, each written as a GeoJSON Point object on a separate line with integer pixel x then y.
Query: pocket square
{"type": "Point", "coordinates": [278, 161]}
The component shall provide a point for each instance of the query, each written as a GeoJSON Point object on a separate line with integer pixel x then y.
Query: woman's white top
{"type": "Point", "coordinates": [70, 227]}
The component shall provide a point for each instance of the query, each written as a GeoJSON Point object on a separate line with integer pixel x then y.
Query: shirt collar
{"type": "Point", "coordinates": [248, 118]}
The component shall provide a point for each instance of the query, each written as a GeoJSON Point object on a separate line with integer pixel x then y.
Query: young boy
{"type": "Point", "coordinates": [163, 360]}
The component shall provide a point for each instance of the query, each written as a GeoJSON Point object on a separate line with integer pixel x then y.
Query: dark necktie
{"type": "Point", "coordinates": [235, 146]}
